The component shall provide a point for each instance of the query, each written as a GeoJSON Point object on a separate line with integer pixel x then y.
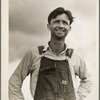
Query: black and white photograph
{"type": "Point", "coordinates": [53, 50]}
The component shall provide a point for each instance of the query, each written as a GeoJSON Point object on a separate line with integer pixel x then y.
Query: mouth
{"type": "Point", "coordinates": [57, 29]}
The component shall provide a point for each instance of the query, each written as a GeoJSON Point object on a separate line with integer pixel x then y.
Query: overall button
{"type": "Point", "coordinates": [64, 82]}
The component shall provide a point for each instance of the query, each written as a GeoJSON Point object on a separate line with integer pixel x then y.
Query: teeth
{"type": "Point", "coordinates": [58, 29]}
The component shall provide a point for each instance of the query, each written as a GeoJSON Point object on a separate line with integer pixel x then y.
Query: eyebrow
{"type": "Point", "coordinates": [56, 21]}
{"type": "Point", "coordinates": [65, 22]}
{"type": "Point", "coordinates": [62, 21]}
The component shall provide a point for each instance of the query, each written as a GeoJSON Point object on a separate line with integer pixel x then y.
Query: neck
{"type": "Point", "coordinates": [57, 46]}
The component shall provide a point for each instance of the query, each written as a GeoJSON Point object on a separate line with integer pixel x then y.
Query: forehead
{"type": "Point", "coordinates": [61, 17]}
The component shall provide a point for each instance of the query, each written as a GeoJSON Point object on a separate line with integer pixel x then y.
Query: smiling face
{"type": "Point", "coordinates": [59, 27]}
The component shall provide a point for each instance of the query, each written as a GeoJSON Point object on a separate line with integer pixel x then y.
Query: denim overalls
{"type": "Point", "coordinates": [54, 81]}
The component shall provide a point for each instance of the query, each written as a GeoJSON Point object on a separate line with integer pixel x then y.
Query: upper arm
{"type": "Point", "coordinates": [81, 69]}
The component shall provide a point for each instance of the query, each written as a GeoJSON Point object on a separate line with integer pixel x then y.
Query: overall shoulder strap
{"type": "Point", "coordinates": [40, 49]}
{"type": "Point", "coordinates": [69, 52]}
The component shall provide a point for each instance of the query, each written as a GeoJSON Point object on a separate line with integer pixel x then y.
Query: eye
{"type": "Point", "coordinates": [57, 21]}
{"type": "Point", "coordinates": [65, 23]}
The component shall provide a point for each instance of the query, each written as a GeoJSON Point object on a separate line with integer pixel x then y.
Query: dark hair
{"type": "Point", "coordinates": [59, 11]}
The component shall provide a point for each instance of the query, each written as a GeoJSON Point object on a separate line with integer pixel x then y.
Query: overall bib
{"type": "Point", "coordinates": [54, 81]}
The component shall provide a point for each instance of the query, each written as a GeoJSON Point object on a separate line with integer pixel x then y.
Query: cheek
{"type": "Point", "coordinates": [52, 28]}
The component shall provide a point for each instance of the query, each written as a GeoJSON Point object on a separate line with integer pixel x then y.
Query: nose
{"type": "Point", "coordinates": [61, 24]}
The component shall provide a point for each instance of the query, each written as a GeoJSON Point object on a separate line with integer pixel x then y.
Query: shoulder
{"type": "Point", "coordinates": [76, 53]}
{"type": "Point", "coordinates": [77, 56]}
{"type": "Point", "coordinates": [30, 53]}
{"type": "Point", "coordinates": [35, 51]}
{"type": "Point", "coordinates": [78, 62]}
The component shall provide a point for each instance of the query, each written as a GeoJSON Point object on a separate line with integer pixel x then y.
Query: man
{"type": "Point", "coordinates": [53, 69]}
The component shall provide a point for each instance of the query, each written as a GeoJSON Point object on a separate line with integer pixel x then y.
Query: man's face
{"type": "Point", "coordinates": [60, 26]}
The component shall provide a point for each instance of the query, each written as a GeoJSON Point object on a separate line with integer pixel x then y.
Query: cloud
{"type": "Point", "coordinates": [26, 17]}
{"type": "Point", "coordinates": [20, 44]}
{"type": "Point", "coordinates": [30, 16]}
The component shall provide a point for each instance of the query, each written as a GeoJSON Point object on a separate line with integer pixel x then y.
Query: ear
{"type": "Point", "coordinates": [69, 28]}
{"type": "Point", "coordinates": [48, 26]}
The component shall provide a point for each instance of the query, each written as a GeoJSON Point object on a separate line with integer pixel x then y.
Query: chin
{"type": "Point", "coordinates": [60, 37]}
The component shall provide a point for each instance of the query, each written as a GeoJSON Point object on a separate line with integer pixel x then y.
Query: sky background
{"type": "Point", "coordinates": [28, 28]}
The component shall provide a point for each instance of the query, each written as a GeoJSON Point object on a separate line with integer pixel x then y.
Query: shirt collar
{"type": "Point", "coordinates": [47, 47]}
